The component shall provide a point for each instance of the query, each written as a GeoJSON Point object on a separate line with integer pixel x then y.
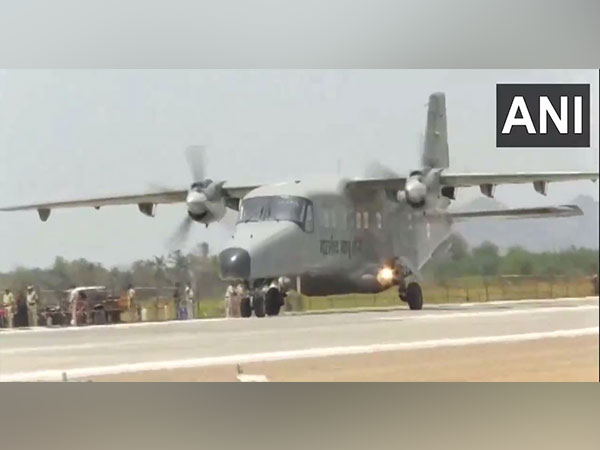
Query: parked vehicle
{"type": "Point", "coordinates": [95, 305]}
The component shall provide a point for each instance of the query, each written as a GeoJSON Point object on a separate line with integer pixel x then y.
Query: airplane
{"type": "Point", "coordinates": [334, 235]}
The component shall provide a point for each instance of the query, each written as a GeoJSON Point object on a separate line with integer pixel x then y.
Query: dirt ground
{"type": "Point", "coordinates": [556, 359]}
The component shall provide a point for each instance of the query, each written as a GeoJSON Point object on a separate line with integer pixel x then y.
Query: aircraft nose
{"type": "Point", "coordinates": [235, 263]}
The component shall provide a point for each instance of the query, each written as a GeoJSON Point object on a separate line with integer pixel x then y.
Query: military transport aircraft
{"type": "Point", "coordinates": [334, 235]}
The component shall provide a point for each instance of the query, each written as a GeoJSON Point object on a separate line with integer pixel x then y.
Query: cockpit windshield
{"type": "Point", "coordinates": [274, 208]}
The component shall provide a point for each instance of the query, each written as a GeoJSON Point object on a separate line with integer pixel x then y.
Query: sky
{"type": "Point", "coordinates": [68, 134]}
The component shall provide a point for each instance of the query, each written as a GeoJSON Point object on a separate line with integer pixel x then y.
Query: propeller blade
{"type": "Point", "coordinates": [377, 170]}
{"type": "Point", "coordinates": [195, 155]}
{"type": "Point", "coordinates": [179, 237]}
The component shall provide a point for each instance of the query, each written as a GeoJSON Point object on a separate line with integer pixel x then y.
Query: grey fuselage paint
{"type": "Point", "coordinates": [355, 233]}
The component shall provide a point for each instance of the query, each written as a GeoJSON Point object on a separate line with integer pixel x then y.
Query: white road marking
{"type": "Point", "coordinates": [248, 378]}
{"type": "Point", "coordinates": [85, 346]}
{"type": "Point", "coordinates": [528, 311]}
{"type": "Point", "coordinates": [84, 372]}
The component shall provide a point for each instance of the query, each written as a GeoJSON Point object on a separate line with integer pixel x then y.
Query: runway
{"type": "Point", "coordinates": [513, 340]}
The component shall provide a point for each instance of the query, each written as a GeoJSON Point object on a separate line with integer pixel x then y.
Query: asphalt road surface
{"type": "Point", "coordinates": [523, 340]}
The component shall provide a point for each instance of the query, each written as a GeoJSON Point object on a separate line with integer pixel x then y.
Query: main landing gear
{"type": "Point", "coordinates": [412, 295]}
{"type": "Point", "coordinates": [262, 303]}
{"type": "Point", "coordinates": [273, 301]}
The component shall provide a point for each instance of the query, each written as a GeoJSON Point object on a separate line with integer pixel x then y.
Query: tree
{"type": "Point", "coordinates": [487, 259]}
{"type": "Point", "coordinates": [179, 265]}
{"type": "Point", "coordinates": [459, 248]}
{"type": "Point", "coordinates": [160, 270]}
{"type": "Point", "coordinates": [518, 261]}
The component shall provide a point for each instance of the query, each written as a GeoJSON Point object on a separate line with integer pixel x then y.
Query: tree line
{"type": "Point", "coordinates": [459, 260]}
{"type": "Point", "coordinates": [196, 267]}
{"type": "Point", "coordinates": [456, 259]}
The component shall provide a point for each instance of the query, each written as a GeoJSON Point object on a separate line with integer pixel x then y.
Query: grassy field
{"type": "Point", "coordinates": [470, 289]}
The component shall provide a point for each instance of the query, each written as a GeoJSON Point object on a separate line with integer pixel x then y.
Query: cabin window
{"type": "Point", "coordinates": [358, 220]}
{"type": "Point", "coordinates": [379, 220]}
{"type": "Point", "coordinates": [309, 223]}
{"type": "Point", "coordinates": [366, 220]}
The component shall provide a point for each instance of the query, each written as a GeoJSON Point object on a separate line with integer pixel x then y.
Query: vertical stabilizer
{"type": "Point", "coordinates": [435, 149]}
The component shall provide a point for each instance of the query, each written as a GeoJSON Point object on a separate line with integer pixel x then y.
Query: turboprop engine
{"type": "Point", "coordinates": [205, 202]}
{"type": "Point", "coordinates": [418, 186]}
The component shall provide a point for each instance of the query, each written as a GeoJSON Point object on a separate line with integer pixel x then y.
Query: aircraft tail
{"type": "Point", "coordinates": [435, 148]}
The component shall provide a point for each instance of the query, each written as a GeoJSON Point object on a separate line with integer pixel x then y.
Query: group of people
{"type": "Point", "coordinates": [184, 308]}
{"type": "Point", "coordinates": [10, 308]}
{"type": "Point", "coordinates": [184, 304]}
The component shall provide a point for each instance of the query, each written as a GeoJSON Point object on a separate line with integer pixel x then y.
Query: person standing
{"type": "Point", "coordinates": [8, 301]}
{"type": "Point", "coordinates": [73, 301]}
{"type": "Point", "coordinates": [189, 301]}
{"type": "Point", "coordinates": [33, 301]}
{"type": "Point", "coordinates": [131, 307]}
{"type": "Point", "coordinates": [230, 293]}
{"type": "Point", "coordinates": [179, 311]}
{"type": "Point", "coordinates": [236, 302]}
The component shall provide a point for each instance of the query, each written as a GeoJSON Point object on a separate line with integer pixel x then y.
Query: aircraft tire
{"type": "Point", "coordinates": [258, 304]}
{"type": "Point", "coordinates": [273, 302]}
{"type": "Point", "coordinates": [414, 296]}
{"type": "Point", "coordinates": [245, 307]}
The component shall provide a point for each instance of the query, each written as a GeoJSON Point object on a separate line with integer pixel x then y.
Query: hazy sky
{"type": "Point", "coordinates": [75, 133]}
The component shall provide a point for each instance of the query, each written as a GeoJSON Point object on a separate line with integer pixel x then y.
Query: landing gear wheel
{"type": "Point", "coordinates": [245, 307]}
{"type": "Point", "coordinates": [414, 296]}
{"type": "Point", "coordinates": [258, 304]}
{"type": "Point", "coordinates": [273, 302]}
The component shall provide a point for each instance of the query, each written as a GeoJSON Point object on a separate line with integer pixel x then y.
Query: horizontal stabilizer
{"type": "Point", "coordinates": [522, 213]}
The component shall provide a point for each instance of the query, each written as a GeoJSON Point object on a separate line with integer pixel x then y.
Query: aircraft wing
{"type": "Point", "coordinates": [162, 197]}
{"type": "Point", "coordinates": [477, 179]}
{"type": "Point", "coordinates": [521, 213]}
{"type": "Point", "coordinates": [155, 197]}
{"type": "Point", "coordinates": [474, 179]}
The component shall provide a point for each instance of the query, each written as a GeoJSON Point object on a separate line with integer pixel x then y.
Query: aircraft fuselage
{"type": "Point", "coordinates": [333, 239]}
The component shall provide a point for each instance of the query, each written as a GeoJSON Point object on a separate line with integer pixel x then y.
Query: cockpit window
{"type": "Point", "coordinates": [276, 208]}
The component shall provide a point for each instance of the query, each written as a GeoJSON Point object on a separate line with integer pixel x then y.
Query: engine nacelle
{"type": "Point", "coordinates": [205, 202]}
{"type": "Point", "coordinates": [414, 192]}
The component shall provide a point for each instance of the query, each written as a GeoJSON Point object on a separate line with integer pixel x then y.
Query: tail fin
{"type": "Point", "coordinates": [435, 150]}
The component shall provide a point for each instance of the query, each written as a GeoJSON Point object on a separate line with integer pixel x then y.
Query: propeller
{"type": "Point", "coordinates": [196, 156]}
{"type": "Point", "coordinates": [415, 189]}
{"type": "Point", "coordinates": [181, 233]}
{"type": "Point", "coordinates": [418, 183]}
{"type": "Point", "coordinates": [204, 201]}
{"type": "Point", "coordinates": [377, 170]}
